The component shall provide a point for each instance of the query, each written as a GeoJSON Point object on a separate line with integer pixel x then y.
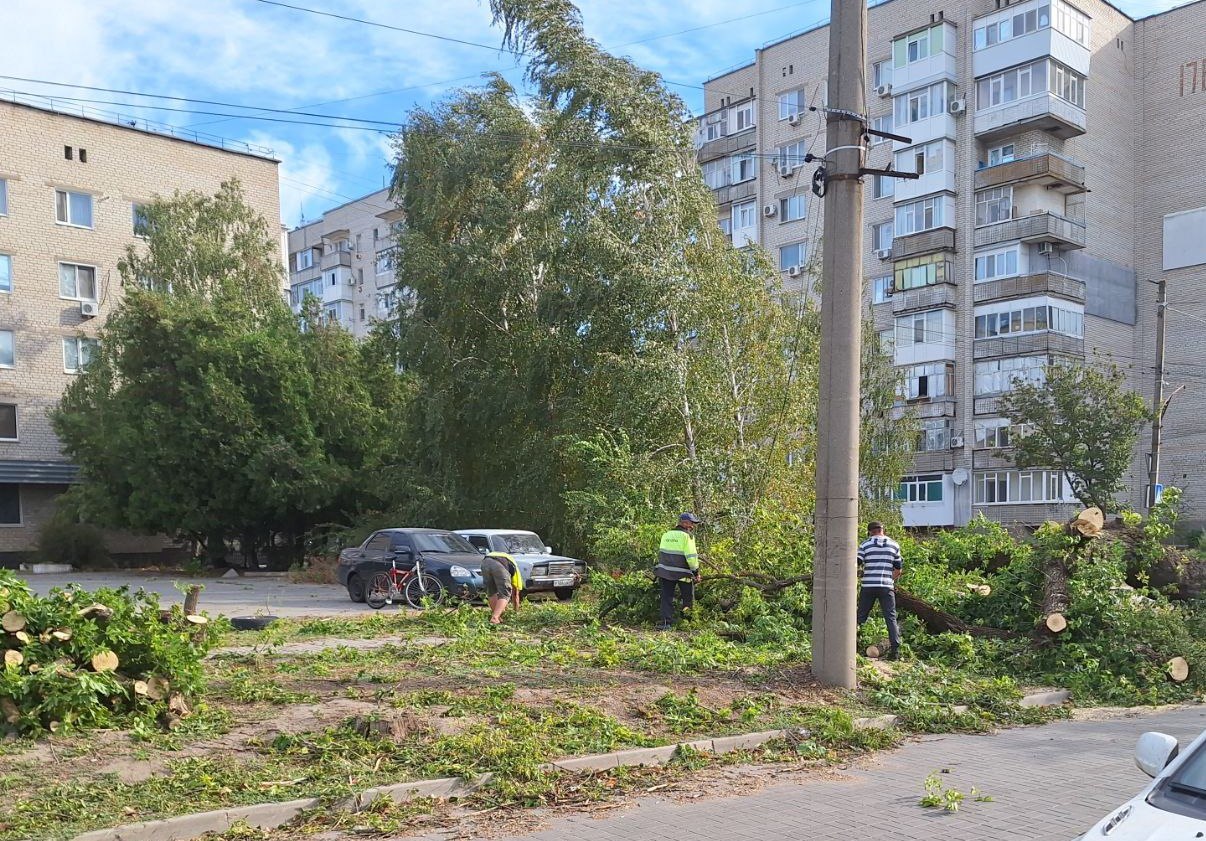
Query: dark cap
{"type": "Point", "coordinates": [688, 517]}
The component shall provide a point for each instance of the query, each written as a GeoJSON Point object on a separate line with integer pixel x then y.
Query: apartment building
{"type": "Point", "coordinates": [70, 189]}
{"type": "Point", "coordinates": [1059, 153]}
{"type": "Point", "coordinates": [345, 260]}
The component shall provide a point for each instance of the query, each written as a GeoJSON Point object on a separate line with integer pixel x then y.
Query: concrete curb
{"type": "Point", "coordinates": [273, 815]}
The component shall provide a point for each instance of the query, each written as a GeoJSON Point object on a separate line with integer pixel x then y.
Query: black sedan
{"type": "Point", "coordinates": [446, 556]}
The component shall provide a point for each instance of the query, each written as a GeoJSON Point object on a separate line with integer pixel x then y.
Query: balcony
{"type": "Point", "coordinates": [937, 461]}
{"type": "Point", "coordinates": [337, 258]}
{"type": "Point", "coordinates": [991, 460]}
{"type": "Point", "coordinates": [924, 298]}
{"type": "Point", "coordinates": [1050, 171]}
{"type": "Point", "coordinates": [923, 131]}
{"type": "Point", "coordinates": [724, 146]}
{"type": "Point", "coordinates": [925, 242]}
{"type": "Point", "coordinates": [1045, 283]}
{"type": "Point", "coordinates": [1037, 227]}
{"type": "Point", "coordinates": [1044, 43]}
{"type": "Point", "coordinates": [939, 181]}
{"type": "Point", "coordinates": [1044, 112]}
{"type": "Point", "coordinates": [919, 74]}
{"type": "Point", "coordinates": [741, 191]}
{"type": "Point", "coordinates": [1028, 344]}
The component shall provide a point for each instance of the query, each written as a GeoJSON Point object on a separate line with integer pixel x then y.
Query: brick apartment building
{"type": "Point", "coordinates": [1063, 173]}
{"type": "Point", "coordinates": [345, 260]}
{"type": "Point", "coordinates": [70, 187]}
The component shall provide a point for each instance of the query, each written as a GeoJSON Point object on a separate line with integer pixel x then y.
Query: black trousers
{"type": "Point", "coordinates": [886, 596]}
{"type": "Point", "coordinates": [686, 592]}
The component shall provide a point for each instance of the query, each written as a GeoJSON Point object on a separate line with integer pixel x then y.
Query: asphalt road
{"type": "Point", "coordinates": [1047, 783]}
{"type": "Point", "coordinates": [245, 596]}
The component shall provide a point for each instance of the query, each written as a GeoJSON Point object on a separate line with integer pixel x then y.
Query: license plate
{"type": "Point", "coordinates": [563, 582]}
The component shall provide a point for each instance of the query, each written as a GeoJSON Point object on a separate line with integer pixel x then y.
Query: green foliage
{"type": "Point", "coordinates": [936, 795]}
{"type": "Point", "coordinates": [62, 540]}
{"type": "Point", "coordinates": [1081, 421]}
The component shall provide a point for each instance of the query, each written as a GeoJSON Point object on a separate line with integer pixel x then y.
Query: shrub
{"type": "Point", "coordinates": [64, 541]}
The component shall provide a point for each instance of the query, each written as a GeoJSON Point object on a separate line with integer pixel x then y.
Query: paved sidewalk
{"type": "Point", "coordinates": [1048, 784]}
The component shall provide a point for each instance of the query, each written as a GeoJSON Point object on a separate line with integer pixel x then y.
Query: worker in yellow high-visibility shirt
{"type": "Point", "coordinates": [503, 583]}
{"type": "Point", "coordinates": [677, 567]}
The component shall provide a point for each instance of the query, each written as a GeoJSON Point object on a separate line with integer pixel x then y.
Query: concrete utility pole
{"type": "Point", "coordinates": [1153, 465]}
{"type": "Point", "coordinates": [833, 612]}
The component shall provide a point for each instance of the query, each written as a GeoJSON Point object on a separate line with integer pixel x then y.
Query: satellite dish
{"type": "Point", "coordinates": [960, 476]}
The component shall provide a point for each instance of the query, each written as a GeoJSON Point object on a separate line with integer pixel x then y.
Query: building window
{"type": "Point", "coordinates": [926, 158]}
{"type": "Point", "coordinates": [793, 208]}
{"type": "Point", "coordinates": [917, 272]}
{"type": "Point", "coordinates": [7, 355]}
{"type": "Point", "coordinates": [994, 205]}
{"type": "Point", "coordinates": [881, 73]}
{"type": "Point", "coordinates": [3, 197]}
{"type": "Point", "coordinates": [385, 261]}
{"type": "Point", "coordinates": [716, 125]}
{"type": "Point", "coordinates": [881, 236]}
{"type": "Point", "coordinates": [922, 104]}
{"type": "Point", "coordinates": [6, 273]}
{"type": "Point", "coordinates": [716, 173]}
{"type": "Point", "coordinates": [10, 505]}
{"type": "Point", "coordinates": [922, 215]}
{"type": "Point", "coordinates": [8, 422]}
{"type": "Point", "coordinates": [920, 488]}
{"type": "Point", "coordinates": [918, 46]}
{"type": "Point", "coordinates": [76, 282]}
{"type": "Point", "coordinates": [793, 256]}
{"type": "Point", "coordinates": [1072, 22]}
{"type": "Point", "coordinates": [1037, 77]}
{"type": "Point", "coordinates": [997, 376]}
{"type": "Point", "coordinates": [887, 341]}
{"type": "Point", "coordinates": [301, 290]}
{"type": "Point", "coordinates": [745, 216]}
{"type": "Point", "coordinates": [77, 353]}
{"type": "Point", "coordinates": [922, 328]}
{"type": "Point", "coordinates": [999, 486]}
{"type": "Point", "coordinates": [925, 382]}
{"type": "Point", "coordinates": [1000, 155]}
{"type": "Point", "coordinates": [743, 168]}
{"type": "Point", "coordinates": [881, 291]}
{"type": "Point", "coordinates": [792, 155]}
{"type": "Point", "coordinates": [73, 208]}
{"type": "Point", "coordinates": [997, 434]}
{"type": "Point", "coordinates": [1003, 263]}
{"type": "Point", "coordinates": [934, 435]}
{"type": "Point", "coordinates": [726, 225]}
{"type": "Point", "coordinates": [1030, 319]}
{"type": "Point", "coordinates": [884, 187]}
{"type": "Point", "coordinates": [1067, 84]}
{"type": "Point", "coordinates": [745, 116]}
{"type": "Point", "coordinates": [138, 220]}
{"type": "Point", "coordinates": [303, 259]}
{"type": "Point", "coordinates": [881, 124]}
{"type": "Point", "coordinates": [791, 103]}
{"type": "Point", "coordinates": [1015, 26]}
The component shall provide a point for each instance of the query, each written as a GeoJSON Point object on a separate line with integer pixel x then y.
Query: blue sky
{"type": "Point", "coordinates": [252, 53]}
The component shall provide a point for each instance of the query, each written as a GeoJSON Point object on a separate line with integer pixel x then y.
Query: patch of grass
{"type": "Point", "coordinates": [249, 686]}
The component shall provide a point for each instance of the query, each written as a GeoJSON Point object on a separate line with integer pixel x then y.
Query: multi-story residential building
{"type": "Point", "coordinates": [345, 260]}
{"type": "Point", "coordinates": [1059, 150]}
{"type": "Point", "coordinates": [70, 189]}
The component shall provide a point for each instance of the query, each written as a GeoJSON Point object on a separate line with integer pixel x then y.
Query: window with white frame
{"type": "Point", "coordinates": [921, 328]}
{"type": "Point", "coordinates": [1003, 486]}
{"type": "Point", "coordinates": [716, 173]}
{"type": "Point", "coordinates": [1031, 318]}
{"type": "Point", "coordinates": [1072, 22]}
{"type": "Point", "coordinates": [743, 168]}
{"type": "Point", "coordinates": [1000, 155]}
{"type": "Point", "coordinates": [994, 205]}
{"type": "Point", "coordinates": [926, 488]}
{"type": "Point", "coordinates": [745, 223]}
{"type": "Point", "coordinates": [744, 116]}
{"type": "Point", "coordinates": [6, 273]}
{"type": "Point", "coordinates": [933, 435]}
{"type": "Point", "coordinates": [1011, 26]}
{"type": "Point", "coordinates": [881, 292]}
{"type": "Point", "coordinates": [928, 157]}
{"type": "Point", "coordinates": [71, 208]}
{"type": "Point", "coordinates": [716, 125]}
{"type": "Point", "coordinates": [139, 223]}
{"type": "Point", "coordinates": [8, 422]}
{"type": "Point", "coordinates": [304, 259]}
{"type": "Point", "coordinates": [1067, 84]}
{"type": "Point", "coordinates": [883, 187]}
{"type": "Point", "coordinates": [77, 353]}
{"type": "Point", "coordinates": [792, 155]}
{"type": "Point", "coordinates": [883, 124]}
{"type": "Point", "coordinates": [791, 103]}
{"type": "Point", "coordinates": [925, 382]}
{"type": "Point", "coordinates": [726, 225]}
{"type": "Point", "coordinates": [792, 256]}
{"type": "Point", "coordinates": [3, 197]}
{"type": "Point", "coordinates": [917, 272]}
{"type": "Point", "coordinates": [887, 341]}
{"type": "Point", "coordinates": [8, 357]}
{"type": "Point", "coordinates": [918, 46]}
{"type": "Point", "coordinates": [921, 215]}
{"type": "Point", "coordinates": [994, 264]}
{"type": "Point", "coordinates": [997, 434]}
{"type": "Point", "coordinates": [1042, 76]}
{"type": "Point", "coordinates": [997, 376]}
{"type": "Point", "coordinates": [881, 73]}
{"type": "Point", "coordinates": [793, 208]}
{"type": "Point", "coordinates": [301, 290]}
{"type": "Point", "coordinates": [77, 282]}
{"type": "Point", "coordinates": [384, 263]}
{"type": "Point", "coordinates": [881, 236]}
{"type": "Point", "coordinates": [922, 104]}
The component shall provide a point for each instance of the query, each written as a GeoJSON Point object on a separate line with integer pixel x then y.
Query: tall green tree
{"type": "Point", "coordinates": [1081, 421]}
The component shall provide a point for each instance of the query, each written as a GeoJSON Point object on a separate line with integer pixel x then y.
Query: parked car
{"type": "Point", "coordinates": [1173, 805]}
{"type": "Point", "coordinates": [542, 571]}
{"type": "Point", "coordinates": [447, 556]}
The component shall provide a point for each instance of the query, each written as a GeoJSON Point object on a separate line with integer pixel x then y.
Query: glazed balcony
{"type": "Point", "coordinates": [1047, 170]}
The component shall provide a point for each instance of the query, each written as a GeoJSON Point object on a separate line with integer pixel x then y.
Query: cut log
{"type": "Point", "coordinates": [980, 589]}
{"type": "Point", "coordinates": [61, 634]}
{"type": "Point", "coordinates": [13, 621]}
{"type": "Point", "coordinates": [9, 709]}
{"type": "Point", "coordinates": [938, 621]}
{"type": "Point", "coordinates": [1178, 669]}
{"type": "Point", "coordinates": [1056, 623]}
{"type": "Point", "coordinates": [13, 658]}
{"type": "Point", "coordinates": [104, 661]}
{"type": "Point", "coordinates": [196, 619]}
{"type": "Point", "coordinates": [23, 638]}
{"type": "Point", "coordinates": [178, 705]}
{"type": "Point", "coordinates": [44, 637]}
{"type": "Point", "coordinates": [99, 612]}
{"type": "Point", "coordinates": [140, 688]}
{"type": "Point", "coordinates": [1088, 523]}
{"type": "Point", "coordinates": [1057, 569]}
{"type": "Point", "coordinates": [879, 649]}
{"type": "Point", "coordinates": [157, 688]}
{"type": "Point", "coordinates": [34, 668]}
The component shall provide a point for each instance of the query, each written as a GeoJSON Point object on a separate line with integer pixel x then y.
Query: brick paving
{"type": "Point", "coordinates": [1048, 784]}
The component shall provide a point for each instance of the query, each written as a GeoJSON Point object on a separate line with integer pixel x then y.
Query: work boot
{"type": "Point", "coordinates": [893, 653]}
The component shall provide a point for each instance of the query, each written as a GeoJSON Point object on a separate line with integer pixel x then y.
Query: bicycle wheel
{"type": "Point", "coordinates": [377, 593]}
{"type": "Point", "coordinates": [425, 586]}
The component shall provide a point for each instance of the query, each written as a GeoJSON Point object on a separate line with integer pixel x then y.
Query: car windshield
{"type": "Point", "coordinates": [442, 542]}
{"type": "Point", "coordinates": [1184, 791]}
{"type": "Point", "coordinates": [521, 544]}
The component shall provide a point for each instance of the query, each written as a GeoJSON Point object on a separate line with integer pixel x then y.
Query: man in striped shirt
{"type": "Point", "coordinates": [880, 565]}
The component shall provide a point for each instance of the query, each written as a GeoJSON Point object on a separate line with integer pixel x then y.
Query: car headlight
{"type": "Point", "coordinates": [460, 572]}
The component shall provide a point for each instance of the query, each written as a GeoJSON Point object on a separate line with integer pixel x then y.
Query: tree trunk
{"type": "Point", "coordinates": [1056, 571]}
{"type": "Point", "coordinates": [938, 621]}
{"type": "Point", "coordinates": [191, 598]}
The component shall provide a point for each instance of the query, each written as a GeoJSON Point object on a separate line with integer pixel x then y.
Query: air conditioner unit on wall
{"type": "Point", "coordinates": [794, 271]}
{"type": "Point", "coordinates": [769, 210]}
{"type": "Point", "coordinates": [884, 90]}
{"type": "Point", "coordinates": [956, 442]}
{"type": "Point", "coordinates": [958, 106]}
{"type": "Point", "coordinates": [786, 170]}
{"type": "Point", "coordinates": [1046, 248]}
{"type": "Point", "coordinates": [793, 119]}
{"type": "Point", "coordinates": [883, 253]}
{"type": "Point", "coordinates": [89, 309]}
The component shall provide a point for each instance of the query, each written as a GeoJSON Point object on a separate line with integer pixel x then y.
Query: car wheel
{"type": "Point", "coordinates": [563, 594]}
{"type": "Point", "coordinates": [356, 589]}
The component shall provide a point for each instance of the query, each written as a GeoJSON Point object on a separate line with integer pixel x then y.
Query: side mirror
{"type": "Point", "coordinates": [548, 550]}
{"type": "Point", "coordinates": [1154, 751]}
{"type": "Point", "coordinates": [482, 550]}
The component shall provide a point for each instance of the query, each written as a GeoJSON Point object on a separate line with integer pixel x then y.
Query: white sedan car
{"type": "Point", "coordinates": [1173, 805]}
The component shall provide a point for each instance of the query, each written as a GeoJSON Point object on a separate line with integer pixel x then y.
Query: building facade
{"type": "Point", "coordinates": [70, 189]}
{"type": "Point", "coordinates": [1055, 144]}
{"type": "Point", "coordinates": [345, 260]}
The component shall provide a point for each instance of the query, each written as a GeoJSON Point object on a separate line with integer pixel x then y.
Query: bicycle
{"type": "Point", "coordinates": [414, 585]}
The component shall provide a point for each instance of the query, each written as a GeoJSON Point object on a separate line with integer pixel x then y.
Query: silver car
{"type": "Point", "coordinates": [542, 571]}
